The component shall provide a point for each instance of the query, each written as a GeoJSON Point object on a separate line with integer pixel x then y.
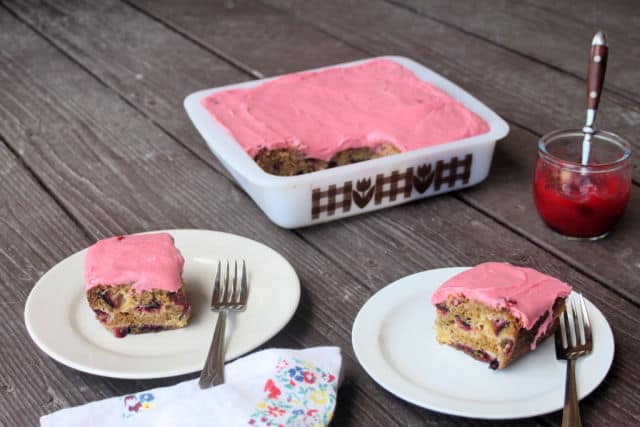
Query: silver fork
{"type": "Point", "coordinates": [579, 342]}
{"type": "Point", "coordinates": [225, 297]}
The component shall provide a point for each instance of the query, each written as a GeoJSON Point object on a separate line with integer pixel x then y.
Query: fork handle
{"type": "Point", "coordinates": [571, 411]}
{"type": "Point", "coordinates": [213, 371]}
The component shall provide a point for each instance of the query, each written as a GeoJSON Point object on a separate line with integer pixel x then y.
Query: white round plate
{"type": "Point", "coordinates": [62, 324]}
{"type": "Point", "coordinates": [394, 340]}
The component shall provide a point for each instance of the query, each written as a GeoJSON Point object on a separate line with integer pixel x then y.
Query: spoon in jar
{"type": "Point", "coordinates": [595, 81]}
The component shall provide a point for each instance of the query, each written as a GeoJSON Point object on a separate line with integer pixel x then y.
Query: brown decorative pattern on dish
{"type": "Point", "coordinates": [397, 184]}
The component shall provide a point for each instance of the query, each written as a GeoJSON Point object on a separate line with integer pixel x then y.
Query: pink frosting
{"type": "Point", "coordinates": [323, 112]}
{"type": "Point", "coordinates": [525, 292]}
{"type": "Point", "coordinates": [147, 261]}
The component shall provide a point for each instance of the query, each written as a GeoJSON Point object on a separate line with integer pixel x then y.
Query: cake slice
{"type": "Point", "coordinates": [497, 312]}
{"type": "Point", "coordinates": [134, 284]}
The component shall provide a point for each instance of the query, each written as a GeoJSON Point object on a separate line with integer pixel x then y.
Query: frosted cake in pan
{"type": "Point", "coordinates": [282, 138]}
{"type": "Point", "coordinates": [314, 120]}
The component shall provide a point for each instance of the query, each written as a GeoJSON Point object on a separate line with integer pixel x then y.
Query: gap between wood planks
{"type": "Point", "coordinates": [239, 65]}
{"type": "Point", "coordinates": [507, 48]}
{"type": "Point", "coordinates": [47, 190]}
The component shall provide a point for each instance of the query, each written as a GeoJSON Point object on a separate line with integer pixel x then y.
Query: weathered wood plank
{"type": "Point", "coordinates": [549, 36]}
{"type": "Point", "coordinates": [132, 60]}
{"type": "Point", "coordinates": [106, 162]}
{"type": "Point", "coordinates": [261, 33]}
{"type": "Point", "coordinates": [622, 15]}
{"type": "Point", "coordinates": [524, 91]}
{"type": "Point", "coordinates": [36, 233]}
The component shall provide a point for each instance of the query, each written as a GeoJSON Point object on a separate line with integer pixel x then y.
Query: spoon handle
{"type": "Point", "coordinates": [595, 74]}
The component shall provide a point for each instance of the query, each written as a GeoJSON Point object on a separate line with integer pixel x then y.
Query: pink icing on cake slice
{"type": "Point", "coordinates": [525, 292]}
{"type": "Point", "coordinates": [147, 261]}
{"type": "Point", "coordinates": [324, 112]}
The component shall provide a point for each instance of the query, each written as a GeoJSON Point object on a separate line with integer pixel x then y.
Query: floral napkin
{"type": "Point", "coordinates": [269, 388]}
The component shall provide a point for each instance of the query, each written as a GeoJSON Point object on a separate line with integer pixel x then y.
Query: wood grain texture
{"type": "Point", "coordinates": [512, 172]}
{"type": "Point", "coordinates": [619, 15]}
{"type": "Point", "coordinates": [524, 91]}
{"type": "Point", "coordinates": [132, 60]}
{"type": "Point", "coordinates": [561, 40]}
{"type": "Point", "coordinates": [36, 233]}
{"type": "Point", "coordinates": [130, 161]}
{"type": "Point", "coordinates": [261, 33]}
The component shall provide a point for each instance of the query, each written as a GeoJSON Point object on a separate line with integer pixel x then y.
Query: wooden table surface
{"type": "Point", "coordinates": [94, 142]}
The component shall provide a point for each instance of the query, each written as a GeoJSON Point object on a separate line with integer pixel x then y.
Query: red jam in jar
{"type": "Point", "coordinates": [582, 201]}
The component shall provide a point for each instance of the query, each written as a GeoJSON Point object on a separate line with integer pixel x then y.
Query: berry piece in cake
{"type": "Point", "coordinates": [497, 312]}
{"type": "Point", "coordinates": [134, 285]}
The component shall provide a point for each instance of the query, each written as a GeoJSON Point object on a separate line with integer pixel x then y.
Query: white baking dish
{"type": "Point", "coordinates": [343, 191]}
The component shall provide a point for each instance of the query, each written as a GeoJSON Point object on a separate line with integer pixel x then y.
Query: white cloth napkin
{"type": "Point", "coordinates": [269, 388]}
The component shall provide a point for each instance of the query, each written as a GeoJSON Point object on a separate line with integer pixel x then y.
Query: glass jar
{"type": "Point", "coordinates": [582, 201]}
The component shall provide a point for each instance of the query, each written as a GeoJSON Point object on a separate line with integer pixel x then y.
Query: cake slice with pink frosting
{"type": "Point", "coordinates": [497, 312]}
{"type": "Point", "coordinates": [134, 284]}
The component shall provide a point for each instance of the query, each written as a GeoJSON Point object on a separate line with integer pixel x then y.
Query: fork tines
{"type": "Point", "coordinates": [226, 292]}
{"type": "Point", "coordinates": [573, 338]}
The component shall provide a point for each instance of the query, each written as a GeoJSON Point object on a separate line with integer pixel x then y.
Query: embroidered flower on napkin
{"type": "Point", "coordinates": [299, 394]}
{"type": "Point", "coordinates": [134, 404]}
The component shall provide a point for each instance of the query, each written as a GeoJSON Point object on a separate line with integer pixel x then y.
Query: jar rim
{"type": "Point", "coordinates": [609, 137]}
